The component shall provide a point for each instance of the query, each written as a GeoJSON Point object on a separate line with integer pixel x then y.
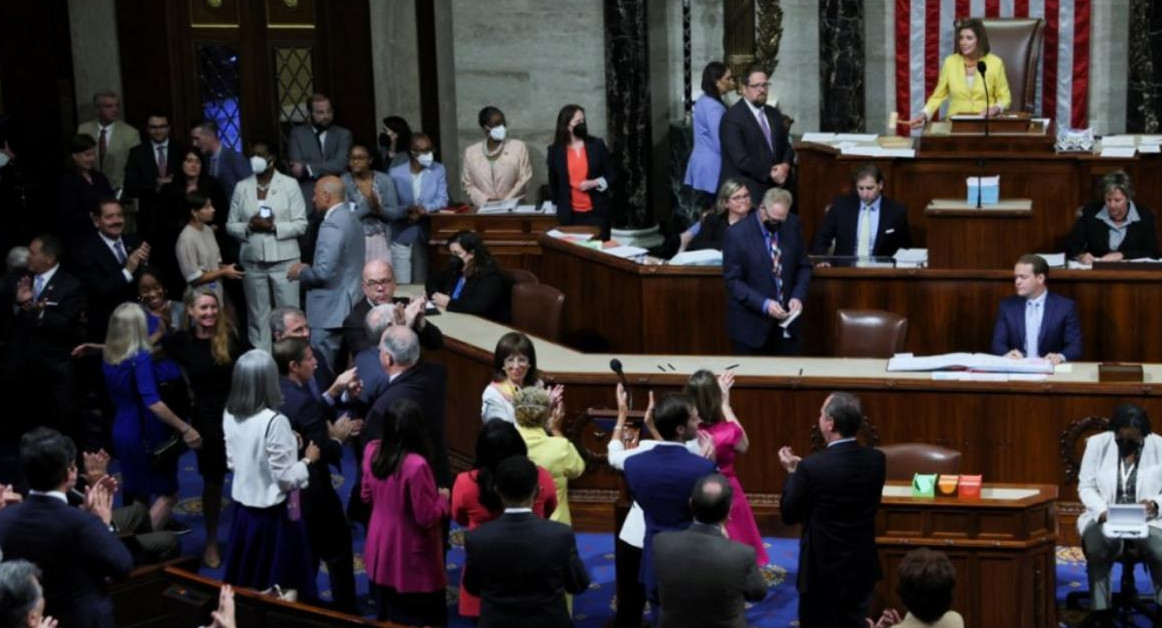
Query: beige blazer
{"type": "Point", "coordinates": [1097, 483]}
{"type": "Point", "coordinates": [290, 219]}
{"type": "Point", "coordinates": [117, 148]}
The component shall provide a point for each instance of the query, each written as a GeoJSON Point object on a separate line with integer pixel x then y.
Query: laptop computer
{"type": "Point", "coordinates": [1126, 521]}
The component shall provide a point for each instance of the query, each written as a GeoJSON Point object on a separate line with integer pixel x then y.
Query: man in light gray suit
{"type": "Point", "coordinates": [318, 148]}
{"type": "Point", "coordinates": [333, 279]}
{"type": "Point", "coordinates": [703, 577]}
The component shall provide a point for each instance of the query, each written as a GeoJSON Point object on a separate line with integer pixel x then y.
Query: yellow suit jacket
{"type": "Point", "coordinates": [560, 457]}
{"type": "Point", "coordinates": [953, 86]}
{"type": "Point", "coordinates": [124, 138]}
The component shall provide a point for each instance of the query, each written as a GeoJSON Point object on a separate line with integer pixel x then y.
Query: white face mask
{"type": "Point", "coordinates": [257, 164]}
{"type": "Point", "coordinates": [426, 159]}
{"type": "Point", "coordinates": [498, 133]}
{"type": "Point", "coordinates": [3, 159]}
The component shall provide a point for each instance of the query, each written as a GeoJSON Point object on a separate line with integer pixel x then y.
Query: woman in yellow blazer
{"type": "Point", "coordinates": [539, 424]}
{"type": "Point", "coordinates": [960, 81]}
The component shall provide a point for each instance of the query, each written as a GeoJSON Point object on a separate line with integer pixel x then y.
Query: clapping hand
{"type": "Point", "coordinates": [9, 496]}
{"type": "Point", "coordinates": [24, 291]}
{"type": "Point", "coordinates": [706, 445]}
{"type": "Point", "coordinates": [725, 383]}
{"type": "Point", "coordinates": [99, 498]}
{"type": "Point", "coordinates": [341, 429]}
{"type": "Point", "coordinates": [622, 401]}
{"type": "Point", "coordinates": [556, 419]}
{"type": "Point", "coordinates": [96, 465]}
{"type": "Point", "coordinates": [788, 459]}
{"type": "Point", "coordinates": [556, 395]}
{"type": "Point", "coordinates": [414, 312]}
{"type": "Point", "coordinates": [224, 616]}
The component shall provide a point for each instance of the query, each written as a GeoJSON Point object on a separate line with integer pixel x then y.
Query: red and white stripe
{"type": "Point", "coordinates": [924, 37]}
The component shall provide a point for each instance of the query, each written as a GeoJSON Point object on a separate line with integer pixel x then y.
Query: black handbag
{"type": "Point", "coordinates": [164, 455]}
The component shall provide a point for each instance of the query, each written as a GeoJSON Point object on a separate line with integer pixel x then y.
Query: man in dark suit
{"type": "Point", "coordinates": [764, 262]}
{"type": "Point", "coordinates": [152, 164]}
{"type": "Point", "coordinates": [866, 224]}
{"type": "Point", "coordinates": [662, 479]}
{"type": "Point", "coordinates": [379, 289]}
{"type": "Point", "coordinates": [520, 565]}
{"type": "Point", "coordinates": [755, 146]}
{"type": "Point", "coordinates": [74, 547]}
{"type": "Point", "coordinates": [703, 577]}
{"type": "Point", "coordinates": [223, 163]}
{"type": "Point", "coordinates": [1036, 323]}
{"type": "Point", "coordinates": [314, 420]}
{"type": "Point", "coordinates": [49, 305]}
{"type": "Point", "coordinates": [318, 148]}
{"type": "Point", "coordinates": [835, 495]}
{"type": "Point", "coordinates": [106, 265]}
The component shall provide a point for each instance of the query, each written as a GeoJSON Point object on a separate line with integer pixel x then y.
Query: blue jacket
{"type": "Point", "coordinates": [750, 280]}
{"type": "Point", "coordinates": [433, 197]}
{"type": "Point", "coordinates": [1060, 327]}
{"type": "Point", "coordinates": [706, 160]}
{"type": "Point", "coordinates": [661, 481]}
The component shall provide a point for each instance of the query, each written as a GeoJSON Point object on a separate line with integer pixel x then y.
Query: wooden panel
{"type": "Point", "coordinates": [511, 238]}
{"type": "Point", "coordinates": [290, 14]}
{"type": "Point", "coordinates": [214, 13]}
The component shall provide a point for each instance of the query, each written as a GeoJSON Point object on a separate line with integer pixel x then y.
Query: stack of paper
{"type": "Point", "coordinates": [989, 189]}
{"type": "Point", "coordinates": [1055, 260]}
{"type": "Point", "coordinates": [911, 258]}
{"type": "Point", "coordinates": [498, 207]}
{"type": "Point", "coordinates": [704, 257]}
{"type": "Point", "coordinates": [982, 362]}
{"type": "Point", "coordinates": [570, 237]}
{"type": "Point", "coordinates": [625, 251]}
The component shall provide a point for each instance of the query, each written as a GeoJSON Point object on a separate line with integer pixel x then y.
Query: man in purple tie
{"type": "Point", "coordinates": [755, 145]}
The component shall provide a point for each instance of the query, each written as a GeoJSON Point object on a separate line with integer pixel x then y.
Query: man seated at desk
{"type": "Point", "coordinates": [1115, 231]}
{"type": "Point", "coordinates": [866, 224]}
{"type": "Point", "coordinates": [1036, 322]}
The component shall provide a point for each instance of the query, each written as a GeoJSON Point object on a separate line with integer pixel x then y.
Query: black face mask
{"type": "Point", "coordinates": [456, 264]}
{"type": "Point", "coordinates": [581, 131]}
{"type": "Point", "coordinates": [1127, 446]}
{"type": "Point", "coordinates": [773, 226]}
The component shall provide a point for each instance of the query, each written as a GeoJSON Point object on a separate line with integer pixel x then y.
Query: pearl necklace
{"type": "Point", "coordinates": [263, 188]}
{"type": "Point", "coordinates": [493, 154]}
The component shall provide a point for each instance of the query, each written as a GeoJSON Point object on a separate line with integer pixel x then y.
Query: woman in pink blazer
{"type": "Point", "coordinates": [404, 553]}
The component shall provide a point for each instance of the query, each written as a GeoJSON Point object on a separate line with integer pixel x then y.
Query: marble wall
{"type": "Point", "coordinates": [529, 58]}
{"type": "Point", "coordinates": [395, 71]}
{"type": "Point", "coordinates": [96, 58]}
{"type": "Point", "coordinates": [879, 69]}
{"type": "Point", "coordinates": [1145, 67]}
{"type": "Point", "coordinates": [627, 79]}
{"type": "Point", "coordinates": [841, 51]}
{"type": "Point", "coordinates": [797, 96]}
{"type": "Point", "coordinates": [1108, 65]}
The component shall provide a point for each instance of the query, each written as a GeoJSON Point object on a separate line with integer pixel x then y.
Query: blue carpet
{"type": "Point", "coordinates": [596, 607]}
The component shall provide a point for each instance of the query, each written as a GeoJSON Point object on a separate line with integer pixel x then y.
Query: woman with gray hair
{"type": "Point", "coordinates": [1114, 230]}
{"type": "Point", "coordinates": [21, 596]}
{"type": "Point", "coordinates": [269, 539]}
{"type": "Point", "coordinates": [539, 422]}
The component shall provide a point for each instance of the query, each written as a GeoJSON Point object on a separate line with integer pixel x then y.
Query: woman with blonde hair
{"type": "Point", "coordinates": [732, 204]}
{"type": "Point", "coordinates": [142, 422]}
{"type": "Point", "coordinates": [539, 422]}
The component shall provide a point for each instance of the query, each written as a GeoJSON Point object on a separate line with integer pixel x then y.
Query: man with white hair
{"type": "Point", "coordinates": [21, 596]}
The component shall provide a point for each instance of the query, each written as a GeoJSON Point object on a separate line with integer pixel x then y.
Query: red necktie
{"type": "Point", "coordinates": [161, 161]}
{"type": "Point", "coordinates": [102, 144]}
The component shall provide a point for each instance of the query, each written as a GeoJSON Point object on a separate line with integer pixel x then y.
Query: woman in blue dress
{"type": "Point", "coordinates": [142, 421]}
{"type": "Point", "coordinates": [705, 165]}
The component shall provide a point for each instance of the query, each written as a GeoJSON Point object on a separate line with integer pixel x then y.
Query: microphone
{"type": "Point", "coordinates": [982, 68]}
{"type": "Point", "coordinates": [615, 366]}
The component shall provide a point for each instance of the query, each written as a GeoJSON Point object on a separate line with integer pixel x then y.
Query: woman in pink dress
{"type": "Point", "coordinates": [712, 398]}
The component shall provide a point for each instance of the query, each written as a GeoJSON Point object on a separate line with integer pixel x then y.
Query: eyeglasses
{"type": "Point", "coordinates": [516, 360]}
{"type": "Point", "coordinates": [763, 86]}
{"type": "Point", "coordinates": [376, 284]}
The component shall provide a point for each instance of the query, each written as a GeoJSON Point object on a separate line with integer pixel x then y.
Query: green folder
{"type": "Point", "coordinates": [924, 485]}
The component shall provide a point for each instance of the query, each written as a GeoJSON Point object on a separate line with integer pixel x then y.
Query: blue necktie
{"type": "Point", "coordinates": [38, 287]}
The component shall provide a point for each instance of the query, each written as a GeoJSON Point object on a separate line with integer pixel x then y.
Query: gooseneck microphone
{"type": "Point", "coordinates": [615, 366]}
{"type": "Point", "coordinates": [981, 68]}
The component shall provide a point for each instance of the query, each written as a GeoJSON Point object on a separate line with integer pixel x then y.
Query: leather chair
{"type": "Point", "coordinates": [1018, 42]}
{"type": "Point", "coordinates": [537, 309]}
{"type": "Point", "coordinates": [518, 275]}
{"type": "Point", "coordinates": [869, 334]}
{"type": "Point", "coordinates": [907, 459]}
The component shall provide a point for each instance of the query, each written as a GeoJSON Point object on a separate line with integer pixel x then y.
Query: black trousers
{"type": "Point", "coordinates": [631, 595]}
{"type": "Point", "coordinates": [824, 611]}
{"type": "Point", "coordinates": [330, 537]}
{"type": "Point", "coordinates": [775, 344]}
{"type": "Point", "coordinates": [412, 609]}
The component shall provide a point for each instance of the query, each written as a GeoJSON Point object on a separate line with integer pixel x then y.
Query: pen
{"type": "Point", "coordinates": [800, 372]}
{"type": "Point", "coordinates": [661, 368]}
{"type": "Point", "coordinates": [671, 366]}
{"type": "Point", "coordinates": [732, 366]}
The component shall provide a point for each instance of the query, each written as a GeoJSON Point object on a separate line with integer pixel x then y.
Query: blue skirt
{"type": "Point", "coordinates": [267, 548]}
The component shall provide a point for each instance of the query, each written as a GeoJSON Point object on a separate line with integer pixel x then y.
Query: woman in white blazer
{"type": "Point", "coordinates": [1121, 466]}
{"type": "Point", "coordinates": [267, 215]}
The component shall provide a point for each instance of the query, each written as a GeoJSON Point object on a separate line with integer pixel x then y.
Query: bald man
{"type": "Point", "coordinates": [332, 280]}
{"type": "Point", "coordinates": [379, 284]}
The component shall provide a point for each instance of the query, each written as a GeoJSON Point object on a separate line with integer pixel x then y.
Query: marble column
{"type": "Point", "coordinates": [1145, 75]}
{"type": "Point", "coordinates": [627, 92]}
{"type": "Point", "coordinates": [841, 62]}
{"type": "Point", "coordinates": [96, 56]}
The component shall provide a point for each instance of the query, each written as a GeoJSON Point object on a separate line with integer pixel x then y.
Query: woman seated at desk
{"type": "Point", "coordinates": [1116, 230]}
{"type": "Point", "coordinates": [960, 81]}
{"type": "Point", "coordinates": [472, 284]}
{"type": "Point", "coordinates": [1120, 466]}
{"type": "Point", "coordinates": [732, 205]}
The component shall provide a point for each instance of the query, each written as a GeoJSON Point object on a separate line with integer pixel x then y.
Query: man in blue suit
{"type": "Point", "coordinates": [422, 184]}
{"type": "Point", "coordinates": [76, 548]}
{"type": "Point", "coordinates": [223, 163]}
{"type": "Point", "coordinates": [764, 262]}
{"type": "Point", "coordinates": [1036, 322]}
{"type": "Point", "coordinates": [662, 479]}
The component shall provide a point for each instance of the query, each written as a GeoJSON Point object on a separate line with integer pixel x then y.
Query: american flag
{"type": "Point", "coordinates": [925, 36]}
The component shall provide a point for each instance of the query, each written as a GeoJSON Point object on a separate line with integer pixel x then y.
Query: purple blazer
{"type": "Point", "coordinates": [405, 544]}
{"type": "Point", "coordinates": [705, 165]}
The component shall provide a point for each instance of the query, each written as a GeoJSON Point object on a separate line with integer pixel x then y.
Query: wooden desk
{"type": "Point", "coordinates": [1008, 432]}
{"type": "Point", "coordinates": [618, 305]}
{"type": "Point", "coordinates": [956, 229]}
{"type": "Point", "coordinates": [1057, 185]}
{"type": "Point", "coordinates": [511, 238]}
{"type": "Point", "coordinates": [1003, 548]}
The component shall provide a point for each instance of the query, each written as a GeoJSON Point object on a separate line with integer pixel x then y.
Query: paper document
{"type": "Point", "coordinates": [1072, 265]}
{"type": "Point", "coordinates": [1149, 148]}
{"type": "Point", "coordinates": [819, 138]}
{"type": "Point", "coordinates": [527, 209]}
{"type": "Point", "coordinates": [910, 257]}
{"type": "Point", "coordinates": [1119, 140]}
{"type": "Point", "coordinates": [625, 251]}
{"type": "Point", "coordinates": [856, 137]}
{"type": "Point", "coordinates": [571, 237]}
{"type": "Point", "coordinates": [498, 207]}
{"type": "Point", "coordinates": [704, 257]}
{"type": "Point", "coordinates": [1055, 260]}
{"type": "Point", "coordinates": [1117, 152]}
{"type": "Point", "coordinates": [786, 322]}
{"type": "Point", "coordinates": [982, 362]}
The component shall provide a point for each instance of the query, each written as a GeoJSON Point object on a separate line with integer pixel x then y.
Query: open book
{"type": "Point", "coordinates": [982, 362]}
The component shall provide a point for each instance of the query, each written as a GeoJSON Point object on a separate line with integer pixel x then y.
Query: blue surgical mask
{"type": "Point", "coordinates": [426, 159]}
{"type": "Point", "coordinates": [498, 133]}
